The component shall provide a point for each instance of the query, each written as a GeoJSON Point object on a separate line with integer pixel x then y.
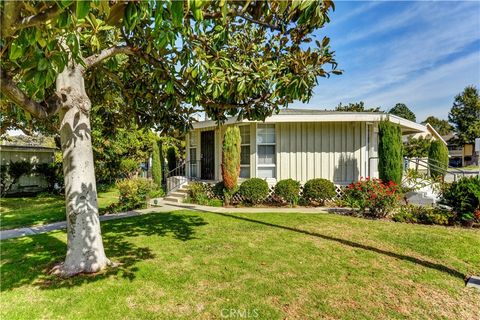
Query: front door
{"type": "Point", "coordinates": [207, 149]}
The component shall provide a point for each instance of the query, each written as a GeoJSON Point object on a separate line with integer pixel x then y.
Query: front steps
{"type": "Point", "coordinates": [178, 195]}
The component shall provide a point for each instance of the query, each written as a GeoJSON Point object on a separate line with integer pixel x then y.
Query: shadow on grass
{"type": "Point", "coordinates": [27, 260]}
{"type": "Point", "coordinates": [424, 263]}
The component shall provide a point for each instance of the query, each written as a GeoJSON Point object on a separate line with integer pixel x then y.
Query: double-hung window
{"type": "Point", "coordinates": [245, 151]}
{"type": "Point", "coordinates": [266, 151]}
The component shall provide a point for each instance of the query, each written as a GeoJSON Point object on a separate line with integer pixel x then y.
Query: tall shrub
{"type": "Point", "coordinates": [231, 160]}
{"type": "Point", "coordinates": [437, 157]}
{"type": "Point", "coordinates": [171, 158]}
{"type": "Point", "coordinates": [390, 152]}
{"type": "Point", "coordinates": [156, 165]}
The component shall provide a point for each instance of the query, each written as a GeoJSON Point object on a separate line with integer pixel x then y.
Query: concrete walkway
{"type": "Point", "coordinates": [20, 232]}
{"type": "Point", "coordinates": [159, 205]}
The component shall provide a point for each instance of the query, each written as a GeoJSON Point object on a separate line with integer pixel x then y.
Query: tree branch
{"type": "Point", "coordinates": [11, 91]}
{"type": "Point", "coordinates": [39, 18]}
{"type": "Point", "coordinates": [107, 53]}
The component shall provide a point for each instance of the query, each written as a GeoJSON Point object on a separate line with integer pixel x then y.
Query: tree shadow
{"type": "Point", "coordinates": [28, 260]}
{"type": "Point", "coordinates": [421, 262]}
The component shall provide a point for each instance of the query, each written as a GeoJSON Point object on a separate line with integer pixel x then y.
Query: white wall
{"type": "Point", "coordinates": [332, 150]}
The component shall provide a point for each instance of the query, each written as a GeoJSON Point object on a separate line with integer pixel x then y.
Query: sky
{"type": "Point", "coordinates": [421, 53]}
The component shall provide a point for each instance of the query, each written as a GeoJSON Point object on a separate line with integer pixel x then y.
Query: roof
{"type": "Point", "coordinates": [13, 147]}
{"type": "Point", "coordinates": [311, 115]}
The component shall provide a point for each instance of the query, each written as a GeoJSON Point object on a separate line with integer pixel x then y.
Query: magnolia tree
{"type": "Point", "coordinates": [155, 62]}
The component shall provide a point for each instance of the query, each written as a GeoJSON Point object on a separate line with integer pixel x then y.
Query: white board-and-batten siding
{"type": "Point", "coordinates": [335, 151]}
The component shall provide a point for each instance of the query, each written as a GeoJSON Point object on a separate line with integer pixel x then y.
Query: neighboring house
{"type": "Point", "coordinates": [460, 154]}
{"type": "Point", "coordinates": [31, 153]}
{"type": "Point", "coordinates": [297, 144]}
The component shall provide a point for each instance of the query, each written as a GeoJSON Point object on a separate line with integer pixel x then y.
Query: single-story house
{"type": "Point", "coordinates": [34, 154]}
{"type": "Point", "coordinates": [297, 144]}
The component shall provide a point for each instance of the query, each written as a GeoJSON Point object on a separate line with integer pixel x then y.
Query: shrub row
{"type": "Point", "coordinates": [255, 191]}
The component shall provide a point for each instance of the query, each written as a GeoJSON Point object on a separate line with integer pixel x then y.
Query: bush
{"type": "Point", "coordinates": [463, 196]}
{"type": "Point", "coordinates": [372, 197]}
{"type": "Point", "coordinates": [319, 190]}
{"type": "Point", "coordinates": [254, 190]}
{"type": "Point", "coordinates": [52, 172]}
{"type": "Point", "coordinates": [156, 165]}
{"type": "Point", "coordinates": [200, 193]}
{"type": "Point", "coordinates": [437, 157]}
{"type": "Point", "coordinates": [11, 173]}
{"type": "Point", "coordinates": [135, 193]}
{"type": "Point", "coordinates": [288, 190]}
{"type": "Point", "coordinates": [129, 167]}
{"type": "Point", "coordinates": [390, 159]}
{"type": "Point", "coordinates": [425, 215]}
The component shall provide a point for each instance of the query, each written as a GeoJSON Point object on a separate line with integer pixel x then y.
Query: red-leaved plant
{"type": "Point", "coordinates": [372, 197]}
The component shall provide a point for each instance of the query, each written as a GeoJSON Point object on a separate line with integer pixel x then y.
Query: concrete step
{"type": "Point", "coordinates": [182, 190]}
{"type": "Point", "coordinates": [173, 199]}
{"type": "Point", "coordinates": [177, 194]}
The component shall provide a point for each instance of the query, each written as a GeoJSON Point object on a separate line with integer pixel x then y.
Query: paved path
{"type": "Point", "coordinates": [160, 206]}
{"type": "Point", "coordinates": [20, 232]}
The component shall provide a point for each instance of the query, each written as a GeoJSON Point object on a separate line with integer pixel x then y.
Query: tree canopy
{"type": "Point", "coordinates": [154, 63]}
{"type": "Point", "coordinates": [465, 115]}
{"type": "Point", "coordinates": [401, 110]}
{"type": "Point", "coordinates": [229, 58]}
{"type": "Point", "coordinates": [441, 126]}
{"type": "Point", "coordinates": [356, 107]}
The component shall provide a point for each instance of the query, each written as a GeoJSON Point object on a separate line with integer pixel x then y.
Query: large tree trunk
{"type": "Point", "coordinates": [85, 252]}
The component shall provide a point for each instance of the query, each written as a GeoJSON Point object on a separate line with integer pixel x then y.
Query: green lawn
{"type": "Point", "coordinates": [25, 212]}
{"type": "Point", "coordinates": [191, 265]}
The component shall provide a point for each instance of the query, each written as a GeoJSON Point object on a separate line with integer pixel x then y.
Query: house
{"type": "Point", "coordinates": [35, 154]}
{"type": "Point", "coordinates": [460, 154]}
{"type": "Point", "coordinates": [297, 144]}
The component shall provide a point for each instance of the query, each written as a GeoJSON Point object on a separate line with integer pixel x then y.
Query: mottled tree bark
{"type": "Point", "coordinates": [85, 252]}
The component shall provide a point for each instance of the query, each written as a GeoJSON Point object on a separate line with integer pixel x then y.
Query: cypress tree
{"type": "Point", "coordinates": [231, 160]}
{"type": "Point", "coordinates": [390, 150]}
{"type": "Point", "coordinates": [437, 157]}
{"type": "Point", "coordinates": [156, 165]}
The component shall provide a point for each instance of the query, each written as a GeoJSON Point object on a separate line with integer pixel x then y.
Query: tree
{"type": "Point", "coordinates": [403, 111]}
{"type": "Point", "coordinates": [441, 126]}
{"type": "Point", "coordinates": [231, 160]}
{"type": "Point", "coordinates": [437, 159]}
{"type": "Point", "coordinates": [390, 158]}
{"type": "Point", "coordinates": [416, 147]}
{"type": "Point", "coordinates": [465, 115]}
{"type": "Point", "coordinates": [356, 107]}
{"type": "Point", "coordinates": [165, 59]}
{"type": "Point", "coordinates": [156, 165]}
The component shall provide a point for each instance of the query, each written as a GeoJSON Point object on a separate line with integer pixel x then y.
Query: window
{"type": "Point", "coordinates": [266, 151]}
{"type": "Point", "coordinates": [245, 152]}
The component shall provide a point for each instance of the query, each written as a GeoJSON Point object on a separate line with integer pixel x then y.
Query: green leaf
{"type": "Point", "coordinates": [42, 64]}
{"type": "Point", "coordinates": [83, 7]}
{"type": "Point", "coordinates": [177, 12]}
{"type": "Point", "coordinates": [16, 51]}
{"type": "Point", "coordinates": [51, 76]}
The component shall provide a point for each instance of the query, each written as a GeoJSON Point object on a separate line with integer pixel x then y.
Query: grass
{"type": "Point", "coordinates": [191, 265]}
{"type": "Point", "coordinates": [42, 209]}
